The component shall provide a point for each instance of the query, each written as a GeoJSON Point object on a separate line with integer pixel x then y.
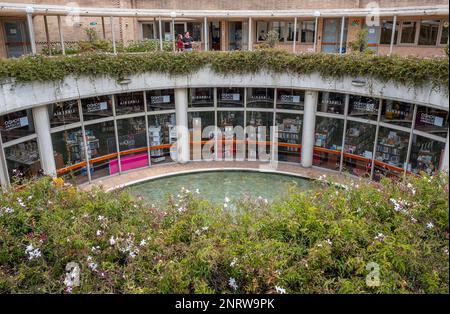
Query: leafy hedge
{"type": "Point", "coordinates": [319, 241]}
{"type": "Point", "coordinates": [410, 71]}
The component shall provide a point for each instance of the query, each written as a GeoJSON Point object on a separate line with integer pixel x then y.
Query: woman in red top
{"type": "Point", "coordinates": [180, 43]}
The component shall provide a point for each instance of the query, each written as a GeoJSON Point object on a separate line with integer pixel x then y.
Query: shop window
{"type": "Point", "coordinates": [230, 97]}
{"type": "Point", "coordinates": [408, 35]}
{"type": "Point", "coordinates": [396, 112]}
{"type": "Point", "coordinates": [308, 31]}
{"type": "Point", "coordinates": [97, 107]}
{"type": "Point", "coordinates": [386, 32]}
{"type": "Point", "coordinates": [129, 103]}
{"type": "Point", "coordinates": [363, 107]}
{"type": "Point", "coordinates": [63, 113]}
{"type": "Point", "coordinates": [432, 121]}
{"type": "Point", "coordinates": [16, 125]}
{"type": "Point", "coordinates": [328, 142]}
{"type": "Point", "coordinates": [132, 145]}
{"type": "Point", "coordinates": [293, 99]}
{"type": "Point", "coordinates": [429, 30]}
{"type": "Point", "coordinates": [101, 148]}
{"type": "Point", "coordinates": [70, 155]}
{"type": "Point", "coordinates": [260, 97]}
{"type": "Point", "coordinates": [289, 136]}
{"type": "Point", "coordinates": [390, 155]}
{"type": "Point", "coordinates": [205, 121]}
{"type": "Point", "coordinates": [444, 33]}
{"type": "Point", "coordinates": [195, 30]}
{"type": "Point", "coordinates": [257, 119]}
{"type": "Point", "coordinates": [331, 103]}
{"type": "Point", "coordinates": [160, 99]}
{"type": "Point", "coordinates": [162, 134]}
{"type": "Point", "coordinates": [358, 148]}
{"type": "Point", "coordinates": [201, 97]}
{"type": "Point", "coordinates": [426, 155]}
{"type": "Point", "coordinates": [23, 161]}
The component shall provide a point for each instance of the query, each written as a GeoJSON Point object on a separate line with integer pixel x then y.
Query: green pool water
{"type": "Point", "coordinates": [215, 186]}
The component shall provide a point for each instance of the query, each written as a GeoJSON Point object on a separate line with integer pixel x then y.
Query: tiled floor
{"type": "Point", "coordinates": [118, 181]}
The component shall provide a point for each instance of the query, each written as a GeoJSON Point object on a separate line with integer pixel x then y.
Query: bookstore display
{"type": "Point", "coordinates": [398, 113]}
{"type": "Point", "coordinates": [23, 159]}
{"type": "Point", "coordinates": [432, 121]}
{"type": "Point", "coordinates": [363, 107]}
{"type": "Point", "coordinates": [201, 97]}
{"type": "Point", "coordinates": [289, 132]}
{"type": "Point", "coordinates": [205, 125]}
{"type": "Point", "coordinates": [161, 131]}
{"type": "Point", "coordinates": [16, 125]}
{"type": "Point", "coordinates": [128, 103]}
{"type": "Point", "coordinates": [392, 148]}
{"type": "Point", "coordinates": [63, 113]}
{"type": "Point", "coordinates": [426, 155]}
{"type": "Point", "coordinates": [359, 141]}
{"type": "Point", "coordinates": [329, 132]}
{"type": "Point", "coordinates": [230, 97]}
{"type": "Point", "coordinates": [97, 107]}
{"type": "Point", "coordinates": [259, 121]}
{"type": "Point", "coordinates": [227, 121]}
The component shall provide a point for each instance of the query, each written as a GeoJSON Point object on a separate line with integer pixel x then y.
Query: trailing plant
{"type": "Point", "coordinates": [273, 38]}
{"type": "Point", "coordinates": [409, 71]}
{"type": "Point", "coordinates": [324, 240]}
{"type": "Point", "coordinates": [360, 43]}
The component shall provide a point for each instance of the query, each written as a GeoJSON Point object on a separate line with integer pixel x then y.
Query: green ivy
{"type": "Point", "coordinates": [410, 71]}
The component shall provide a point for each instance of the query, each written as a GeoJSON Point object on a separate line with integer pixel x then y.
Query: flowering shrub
{"type": "Point", "coordinates": [361, 237]}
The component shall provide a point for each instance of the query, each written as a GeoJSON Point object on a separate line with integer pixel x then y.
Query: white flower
{"type": "Point", "coordinates": [89, 258]}
{"type": "Point", "coordinates": [414, 220]}
{"type": "Point", "coordinates": [32, 252]}
{"type": "Point", "coordinates": [112, 241]}
{"type": "Point", "coordinates": [227, 200]}
{"type": "Point", "coordinates": [30, 197]}
{"type": "Point", "coordinates": [21, 203]}
{"type": "Point", "coordinates": [319, 245]}
{"type": "Point", "coordinates": [280, 290]}
{"type": "Point", "coordinates": [92, 266]}
{"type": "Point", "coordinates": [379, 236]}
{"type": "Point", "coordinates": [197, 191]}
{"type": "Point", "coordinates": [225, 205]}
{"type": "Point", "coordinates": [9, 210]}
{"type": "Point", "coordinates": [232, 283]}
{"type": "Point", "coordinates": [446, 251]}
{"type": "Point", "coordinates": [181, 209]}
{"type": "Point", "coordinates": [98, 233]}
{"type": "Point", "coordinates": [205, 228]}
{"type": "Point", "coordinates": [95, 248]}
{"type": "Point", "coordinates": [133, 254]}
{"type": "Point", "coordinates": [143, 243]}
{"type": "Point", "coordinates": [233, 262]}
{"type": "Point", "coordinates": [329, 242]}
{"type": "Point", "coordinates": [101, 218]}
{"type": "Point", "coordinates": [430, 225]}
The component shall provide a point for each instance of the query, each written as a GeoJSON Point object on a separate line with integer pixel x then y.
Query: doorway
{"type": "Point", "coordinates": [16, 38]}
{"type": "Point", "coordinates": [237, 35]}
{"type": "Point", "coordinates": [214, 39]}
{"type": "Point", "coordinates": [332, 35]}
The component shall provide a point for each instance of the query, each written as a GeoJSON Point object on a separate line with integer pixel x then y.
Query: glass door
{"type": "Point", "coordinates": [214, 37]}
{"type": "Point", "coordinates": [235, 32]}
{"type": "Point", "coordinates": [16, 38]}
{"type": "Point", "coordinates": [332, 35]}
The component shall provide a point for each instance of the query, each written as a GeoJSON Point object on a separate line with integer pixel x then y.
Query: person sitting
{"type": "Point", "coordinates": [262, 36]}
{"type": "Point", "coordinates": [180, 43]}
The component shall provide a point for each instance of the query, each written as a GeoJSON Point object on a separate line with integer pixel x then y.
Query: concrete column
{"type": "Point", "coordinates": [160, 34]}
{"type": "Point", "coordinates": [294, 41]}
{"type": "Point", "coordinates": [61, 36]}
{"type": "Point", "coordinates": [444, 165]}
{"type": "Point", "coordinates": [181, 106]}
{"type": "Point", "coordinates": [113, 34]}
{"type": "Point", "coordinates": [341, 40]}
{"type": "Point", "coordinates": [205, 29]}
{"type": "Point", "coordinates": [42, 126]}
{"type": "Point", "coordinates": [250, 35]}
{"type": "Point", "coordinates": [4, 177]}
{"type": "Point", "coordinates": [31, 30]}
{"type": "Point", "coordinates": [394, 24]}
{"type": "Point", "coordinates": [309, 125]}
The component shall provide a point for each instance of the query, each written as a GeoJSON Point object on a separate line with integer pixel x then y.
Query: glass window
{"type": "Point", "coordinates": [293, 99]}
{"type": "Point", "coordinates": [260, 97]}
{"type": "Point", "coordinates": [426, 155]}
{"type": "Point", "coordinates": [129, 103]}
{"type": "Point", "coordinates": [308, 31]}
{"type": "Point", "coordinates": [195, 30]}
{"type": "Point", "coordinates": [227, 121]}
{"type": "Point", "coordinates": [162, 134]}
{"type": "Point", "coordinates": [201, 97]}
{"type": "Point", "coordinates": [148, 31]}
{"type": "Point", "coordinates": [132, 144]}
{"type": "Point", "coordinates": [259, 119]}
{"type": "Point", "coordinates": [386, 32]}
{"type": "Point", "coordinates": [289, 136]}
{"type": "Point", "coordinates": [262, 28]}
{"type": "Point", "coordinates": [331, 102]}
{"type": "Point", "coordinates": [23, 161]}
{"type": "Point", "coordinates": [329, 132]}
{"type": "Point", "coordinates": [160, 99]}
{"type": "Point", "coordinates": [70, 155]}
{"type": "Point", "coordinates": [279, 28]}
{"type": "Point", "coordinates": [390, 155]}
{"type": "Point", "coordinates": [363, 107]}
{"type": "Point", "coordinates": [444, 33]}
{"type": "Point", "coordinates": [202, 120]}
{"type": "Point", "coordinates": [63, 113]}
{"type": "Point", "coordinates": [230, 97]}
{"type": "Point", "coordinates": [408, 35]}
{"type": "Point", "coordinates": [433, 121]}
{"type": "Point", "coordinates": [290, 34]}
{"type": "Point", "coordinates": [429, 32]}
{"type": "Point", "coordinates": [396, 112]}
{"type": "Point", "coordinates": [101, 148]}
{"type": "Point", "coordinates": [16, 125]}
{"type": "Point", "coordinates": [97, 107]}
{"type": "Point", "coordinates": [358, 148]}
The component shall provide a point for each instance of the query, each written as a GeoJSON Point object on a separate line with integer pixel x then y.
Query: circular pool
{"type": "Point", "coordinates": [215, 186]}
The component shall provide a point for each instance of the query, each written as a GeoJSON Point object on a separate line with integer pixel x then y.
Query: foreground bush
{"type": "Point", "coordinates": [326, 240]}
